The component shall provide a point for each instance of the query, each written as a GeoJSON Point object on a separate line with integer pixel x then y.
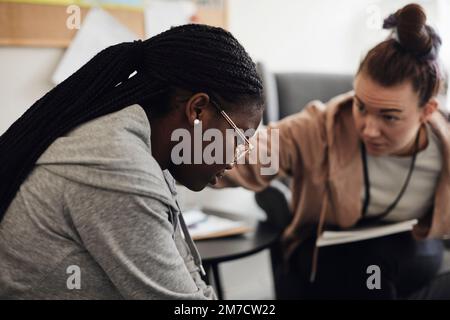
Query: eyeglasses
{"type": "Point", "coordinates": [244, 146]}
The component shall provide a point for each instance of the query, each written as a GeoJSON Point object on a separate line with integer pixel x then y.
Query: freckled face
{"type": "Point", "coordinates": [387, 118]}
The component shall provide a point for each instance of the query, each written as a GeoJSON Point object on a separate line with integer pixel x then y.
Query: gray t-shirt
{"type": "Point", "coordinates": [387, 175]}
{"type": "Point", "coordinates": [97, 219]}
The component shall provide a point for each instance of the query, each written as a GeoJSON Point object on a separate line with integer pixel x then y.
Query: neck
{"type": "Point", "coordinates": [160, 141]}
{"type": "Point", "coordinates": [410, 149]}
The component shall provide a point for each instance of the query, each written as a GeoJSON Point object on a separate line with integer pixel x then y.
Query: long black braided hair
{"type": "Point", "coordinates": [195, 57]}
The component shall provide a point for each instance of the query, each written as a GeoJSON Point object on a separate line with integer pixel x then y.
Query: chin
{"type": "Point", "coordinates": [375, 153]}
{"type": "Point", "coordinates": [196, 187]}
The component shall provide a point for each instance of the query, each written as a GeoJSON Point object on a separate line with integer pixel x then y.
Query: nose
{"type": "Point", "coordinates": [370, 128]}
{"type": "Point", "coordinates": [229, 166]}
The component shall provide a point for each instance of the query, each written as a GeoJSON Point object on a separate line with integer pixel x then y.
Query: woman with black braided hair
{"type": "Point", "coordinates": [87, 197]}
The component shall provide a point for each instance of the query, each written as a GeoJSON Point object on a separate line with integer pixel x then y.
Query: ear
{"type": "Point", "coordinates": [427, 111]}
{"type": "Point", "coordinates": [195, 107]}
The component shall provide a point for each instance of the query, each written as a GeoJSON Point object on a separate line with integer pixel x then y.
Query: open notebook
{"type": "Point", "coordinates": [205, 226]}
{"type": "Point", "coordinates": [329, 238]}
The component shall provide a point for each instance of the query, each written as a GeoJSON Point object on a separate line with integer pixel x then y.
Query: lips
{"type": "Point", "coordinates": [371, 145]}
{"type": "Point", "coordinates": [375, 144]}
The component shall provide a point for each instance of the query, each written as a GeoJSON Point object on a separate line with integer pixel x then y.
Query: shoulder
{"type": "Point", "coordinates": [122, 134]}
{"type": "Point", "coordinates": [130, 121]}
{"type": "Point", "coordinates": [111, 152]}
{"type": "Point", "coordinates": [440, 125]}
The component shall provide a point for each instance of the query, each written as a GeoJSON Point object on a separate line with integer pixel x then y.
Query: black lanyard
{"type": "Point", "coordinates": [367, 185]}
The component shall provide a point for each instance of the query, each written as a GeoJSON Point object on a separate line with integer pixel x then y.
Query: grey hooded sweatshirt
{"type": "Point", "coordinates": [97, 219]}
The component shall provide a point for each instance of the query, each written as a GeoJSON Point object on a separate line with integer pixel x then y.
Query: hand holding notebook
{"type": "Point", "coordinates": [363, 233]}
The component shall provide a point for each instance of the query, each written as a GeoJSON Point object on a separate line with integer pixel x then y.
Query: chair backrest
{"type": "Point", "coordinates": [274, 200]}
{"type": "Point", "coordinates": [295, 90]}
{"type": "Point", "coordinates": [288, 93]}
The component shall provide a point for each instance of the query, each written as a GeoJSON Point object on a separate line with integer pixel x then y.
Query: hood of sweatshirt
{"type": "Point", "coordinates": [112, 152]}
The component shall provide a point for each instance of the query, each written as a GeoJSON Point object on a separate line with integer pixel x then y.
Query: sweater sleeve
{"type": "Point", "coordinates": [131, 238]}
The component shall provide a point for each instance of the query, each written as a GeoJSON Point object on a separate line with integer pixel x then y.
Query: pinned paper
{"type": "Point", "coordinates": [98, 31]}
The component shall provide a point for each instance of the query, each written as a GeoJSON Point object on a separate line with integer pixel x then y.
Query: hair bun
{"type": "Point", "coordinates": [412, 32]}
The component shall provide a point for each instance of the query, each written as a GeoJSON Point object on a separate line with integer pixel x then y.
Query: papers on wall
{"type": "Point", "coordinates": [98, 31]}
{"type": "Point", "coordinates": [363, 233]}
{"type": "Point", "coordinates": [205, 226]}
{"type": "Point", "coordinates": [86, 3]}
{"type": "Point", "coordinates": [162, 15]}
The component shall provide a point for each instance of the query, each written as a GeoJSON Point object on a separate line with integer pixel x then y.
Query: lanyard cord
{"type": "Point", "coordinates": [367, 184]}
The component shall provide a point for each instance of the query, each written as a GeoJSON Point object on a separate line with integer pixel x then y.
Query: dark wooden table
{"type": "Point", "coordinates": [215, 251]}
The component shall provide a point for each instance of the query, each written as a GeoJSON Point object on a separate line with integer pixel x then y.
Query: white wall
{"type": "Point", "coordinates": [24, 77]}
{"type": "Point", "coordinates": [321, 35]}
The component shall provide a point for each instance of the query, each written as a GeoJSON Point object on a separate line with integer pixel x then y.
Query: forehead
{"type": "Point", "coordinates": [372, 94]}
{"type": "Point", "coordinates": [246, 119]}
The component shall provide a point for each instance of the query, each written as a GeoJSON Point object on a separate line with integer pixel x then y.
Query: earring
{"type": "Point", "coordinates": [196, 122]}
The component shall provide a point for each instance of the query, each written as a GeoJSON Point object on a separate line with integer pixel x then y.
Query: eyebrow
{"type": "Point", "coordinates": [380, 110]}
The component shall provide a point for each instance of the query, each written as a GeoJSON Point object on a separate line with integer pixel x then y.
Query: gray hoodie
{"type": "Point", "coordinates": [97, 219]}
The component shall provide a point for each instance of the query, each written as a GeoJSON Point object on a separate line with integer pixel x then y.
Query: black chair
{"type": "Point", "coordinates": [273, 201]}
{"type": "Point", "coordinates": [289, 93]}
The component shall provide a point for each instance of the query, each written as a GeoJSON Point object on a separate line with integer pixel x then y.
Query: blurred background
{"type": "Point", "coordinates": [44, 41]}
